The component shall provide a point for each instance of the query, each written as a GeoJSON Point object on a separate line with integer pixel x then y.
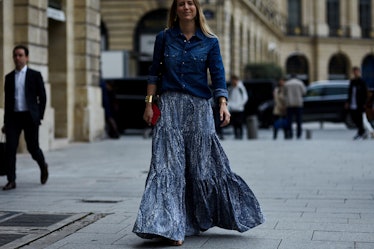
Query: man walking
{"type": "Point", "coordinates": [25, 101]}
{"type": "Point", "coordinates": [357, 94]}
{"type": "Point", "coordinates": [294, 91]}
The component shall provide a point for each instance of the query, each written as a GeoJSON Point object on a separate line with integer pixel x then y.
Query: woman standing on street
{"type": "Point", "coordinates": [190, 186]}
{"type": "Point", "coordinates": [279, 110]}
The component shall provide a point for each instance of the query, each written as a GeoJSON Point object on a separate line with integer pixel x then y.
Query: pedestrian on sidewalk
{"type": "Point", "coordinates": [368, 114]}
{"type": "Point", "coordinates": [356, 102]}
{"type": "Point", "coordinates": [238, 97]}
{"type": "Point", "coordinates": [110, 109]}
{"type": "Point", "coordinates": [294, 90]}
{"type": "Point", "coordinates": [190, 186]}
{"type": "Point", "coordinates": [24, 106]}
{"type": "Point", "coordinates": [368, 127]}
{"type": "Point", "coordinates": [279, 110]}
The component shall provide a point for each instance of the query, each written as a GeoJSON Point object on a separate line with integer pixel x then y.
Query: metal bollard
{"type": "Point", "coordinates": [252, 126]}
{"type": "Point", "coordinates": [308, 134]}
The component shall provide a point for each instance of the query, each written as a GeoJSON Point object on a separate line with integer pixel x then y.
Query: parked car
{"type": "Point", "coordinates": [324, 101]}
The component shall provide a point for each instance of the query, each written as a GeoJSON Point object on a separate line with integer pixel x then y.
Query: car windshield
{"type": "Point", "coordinates": [326, 90]}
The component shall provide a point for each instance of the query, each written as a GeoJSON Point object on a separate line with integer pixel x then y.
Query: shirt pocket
{"type": "Point", "coordinates": [198, 61]}
{"type": "Point", "coordinates": [172, 57]}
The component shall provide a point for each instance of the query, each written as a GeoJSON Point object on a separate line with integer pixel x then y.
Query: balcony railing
{"type": "Point", "coordinates": [271, 14]}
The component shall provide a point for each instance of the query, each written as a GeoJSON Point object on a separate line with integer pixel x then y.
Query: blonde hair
{"type": "Point", "coordinates": [200, 18]}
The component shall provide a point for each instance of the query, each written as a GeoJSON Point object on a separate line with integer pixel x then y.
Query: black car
{"type": "Point", "coordinates": [324, 101]}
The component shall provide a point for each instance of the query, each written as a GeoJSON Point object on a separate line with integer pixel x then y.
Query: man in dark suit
{"type": "Point", "coordinates": [25, 101]}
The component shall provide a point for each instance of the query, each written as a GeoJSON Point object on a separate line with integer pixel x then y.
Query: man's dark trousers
{"type": "Point", "coordinates": [17, 122]}
{"type": "Point", "coordinates": [296, 112]}
{"type": "Point", "coordinates": [237, 123]}
{"type": "Point", "coordinates": [356, 116]}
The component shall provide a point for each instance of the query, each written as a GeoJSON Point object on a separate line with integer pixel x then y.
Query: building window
{"type": "Point", "coordinates": [365, 18]}
{"type": "Point", "coordinates": [333, 17]}
{"type": "Point", "coordinates": [294, 17]}
{"type": "Point", "coordinates": [104, 44]}
{"type": "Point", "coordinates": [55, 4]}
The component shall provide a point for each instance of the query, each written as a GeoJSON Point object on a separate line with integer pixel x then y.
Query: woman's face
{"type": "Point", "coordinates": [186, 10]}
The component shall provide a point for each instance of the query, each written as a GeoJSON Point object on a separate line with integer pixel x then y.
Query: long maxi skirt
{"type": "Point", "coordinates": [190, 186]}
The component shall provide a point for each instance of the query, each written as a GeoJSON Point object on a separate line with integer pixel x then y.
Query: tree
{"type": "Point", "coordinates": [263, 71]}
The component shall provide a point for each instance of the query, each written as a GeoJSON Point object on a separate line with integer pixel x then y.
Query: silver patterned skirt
{"type": "Point", "coordinates": [190, 186]}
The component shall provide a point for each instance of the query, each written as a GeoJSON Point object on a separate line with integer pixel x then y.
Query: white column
{"type": "Point", "coordinates": [88, 114]}
{"type": "Point", "coordinates": [321, 28]}
{"type": "Point", "coordinates": [354, 29]}
{"type": "Point", "coordinates": [235, 57]}
{"type": "Point", "coordinates": [306, 16]}
{"type": "Point", "coordinates": [244, 45]}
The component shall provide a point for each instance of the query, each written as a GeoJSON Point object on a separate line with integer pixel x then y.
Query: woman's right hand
{"type": "Point", "coordinates": [148, 114]}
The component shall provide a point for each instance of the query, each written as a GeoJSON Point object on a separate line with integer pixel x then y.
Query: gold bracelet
{"type": "Point", "coordinates": [149, 99]}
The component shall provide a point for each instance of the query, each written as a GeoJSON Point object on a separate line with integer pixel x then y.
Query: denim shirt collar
{"type": "Point", "coordinates": [175, 31]}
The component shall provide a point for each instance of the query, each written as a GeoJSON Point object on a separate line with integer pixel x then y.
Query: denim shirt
{"type": "Point", "coordinates": [185, 64]}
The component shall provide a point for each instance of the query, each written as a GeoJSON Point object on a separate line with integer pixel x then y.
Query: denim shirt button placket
{"type": "Point", "coordinates": [183, 63]}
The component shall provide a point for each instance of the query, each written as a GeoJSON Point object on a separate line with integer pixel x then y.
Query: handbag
{"type": "Point", "coordinates": [281, 123]}
{"type": "Point", "coordinates": [3, 166]}
{"type": "Point", "coordinates": [156, 114]}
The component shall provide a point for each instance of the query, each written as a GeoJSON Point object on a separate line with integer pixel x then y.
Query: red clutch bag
{"type": "Point", "coordinates": [156, 114]}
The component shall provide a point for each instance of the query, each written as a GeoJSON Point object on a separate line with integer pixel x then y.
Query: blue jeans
{"type": "Point", "coordinates": [294, 113]}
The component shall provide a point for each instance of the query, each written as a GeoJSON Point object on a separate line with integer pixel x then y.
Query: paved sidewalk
{"type": "Point", "coordinates": [315, 194]}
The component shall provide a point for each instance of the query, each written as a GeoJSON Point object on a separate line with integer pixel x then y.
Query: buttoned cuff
{"type": "Point", "coordinates": [152, 80]}
{"type": "Point", "coordinates": [220, 92]}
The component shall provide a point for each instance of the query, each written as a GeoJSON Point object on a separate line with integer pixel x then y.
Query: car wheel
{"type": "Point", "coordinates": [349, 122]}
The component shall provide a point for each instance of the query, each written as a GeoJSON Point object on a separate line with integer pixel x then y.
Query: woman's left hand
{"type": "Point", "coordinates": [224, 114]}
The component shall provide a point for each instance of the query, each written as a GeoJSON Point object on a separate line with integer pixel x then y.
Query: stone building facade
{"type": "Point", "coordinates": [317, 40]}
{"type": "Point", "coordinates": [63, 37]}
{"type": "Point", "coordinates": [320, 39]}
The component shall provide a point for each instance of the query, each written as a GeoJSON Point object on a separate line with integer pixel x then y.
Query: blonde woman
{"type": "Point", "coordinates": [190, 186]}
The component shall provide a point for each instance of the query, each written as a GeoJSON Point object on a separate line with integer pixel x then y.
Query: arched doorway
{"type": "Point", "coordinates": [339, 67]}
{"type": "Point", "coordinates": [298, 65]}
{"type": "Point", "coordinates": [145, 35]}
{"type": "Point", "coordinates": [368, 70]}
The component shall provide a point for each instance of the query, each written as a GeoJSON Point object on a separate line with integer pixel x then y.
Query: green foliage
{"type": "Point", "coordinates": [263, 71]}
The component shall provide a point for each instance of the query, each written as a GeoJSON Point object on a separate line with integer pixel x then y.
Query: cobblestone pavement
{"type": "Point", "coordinates": [316, 193]}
